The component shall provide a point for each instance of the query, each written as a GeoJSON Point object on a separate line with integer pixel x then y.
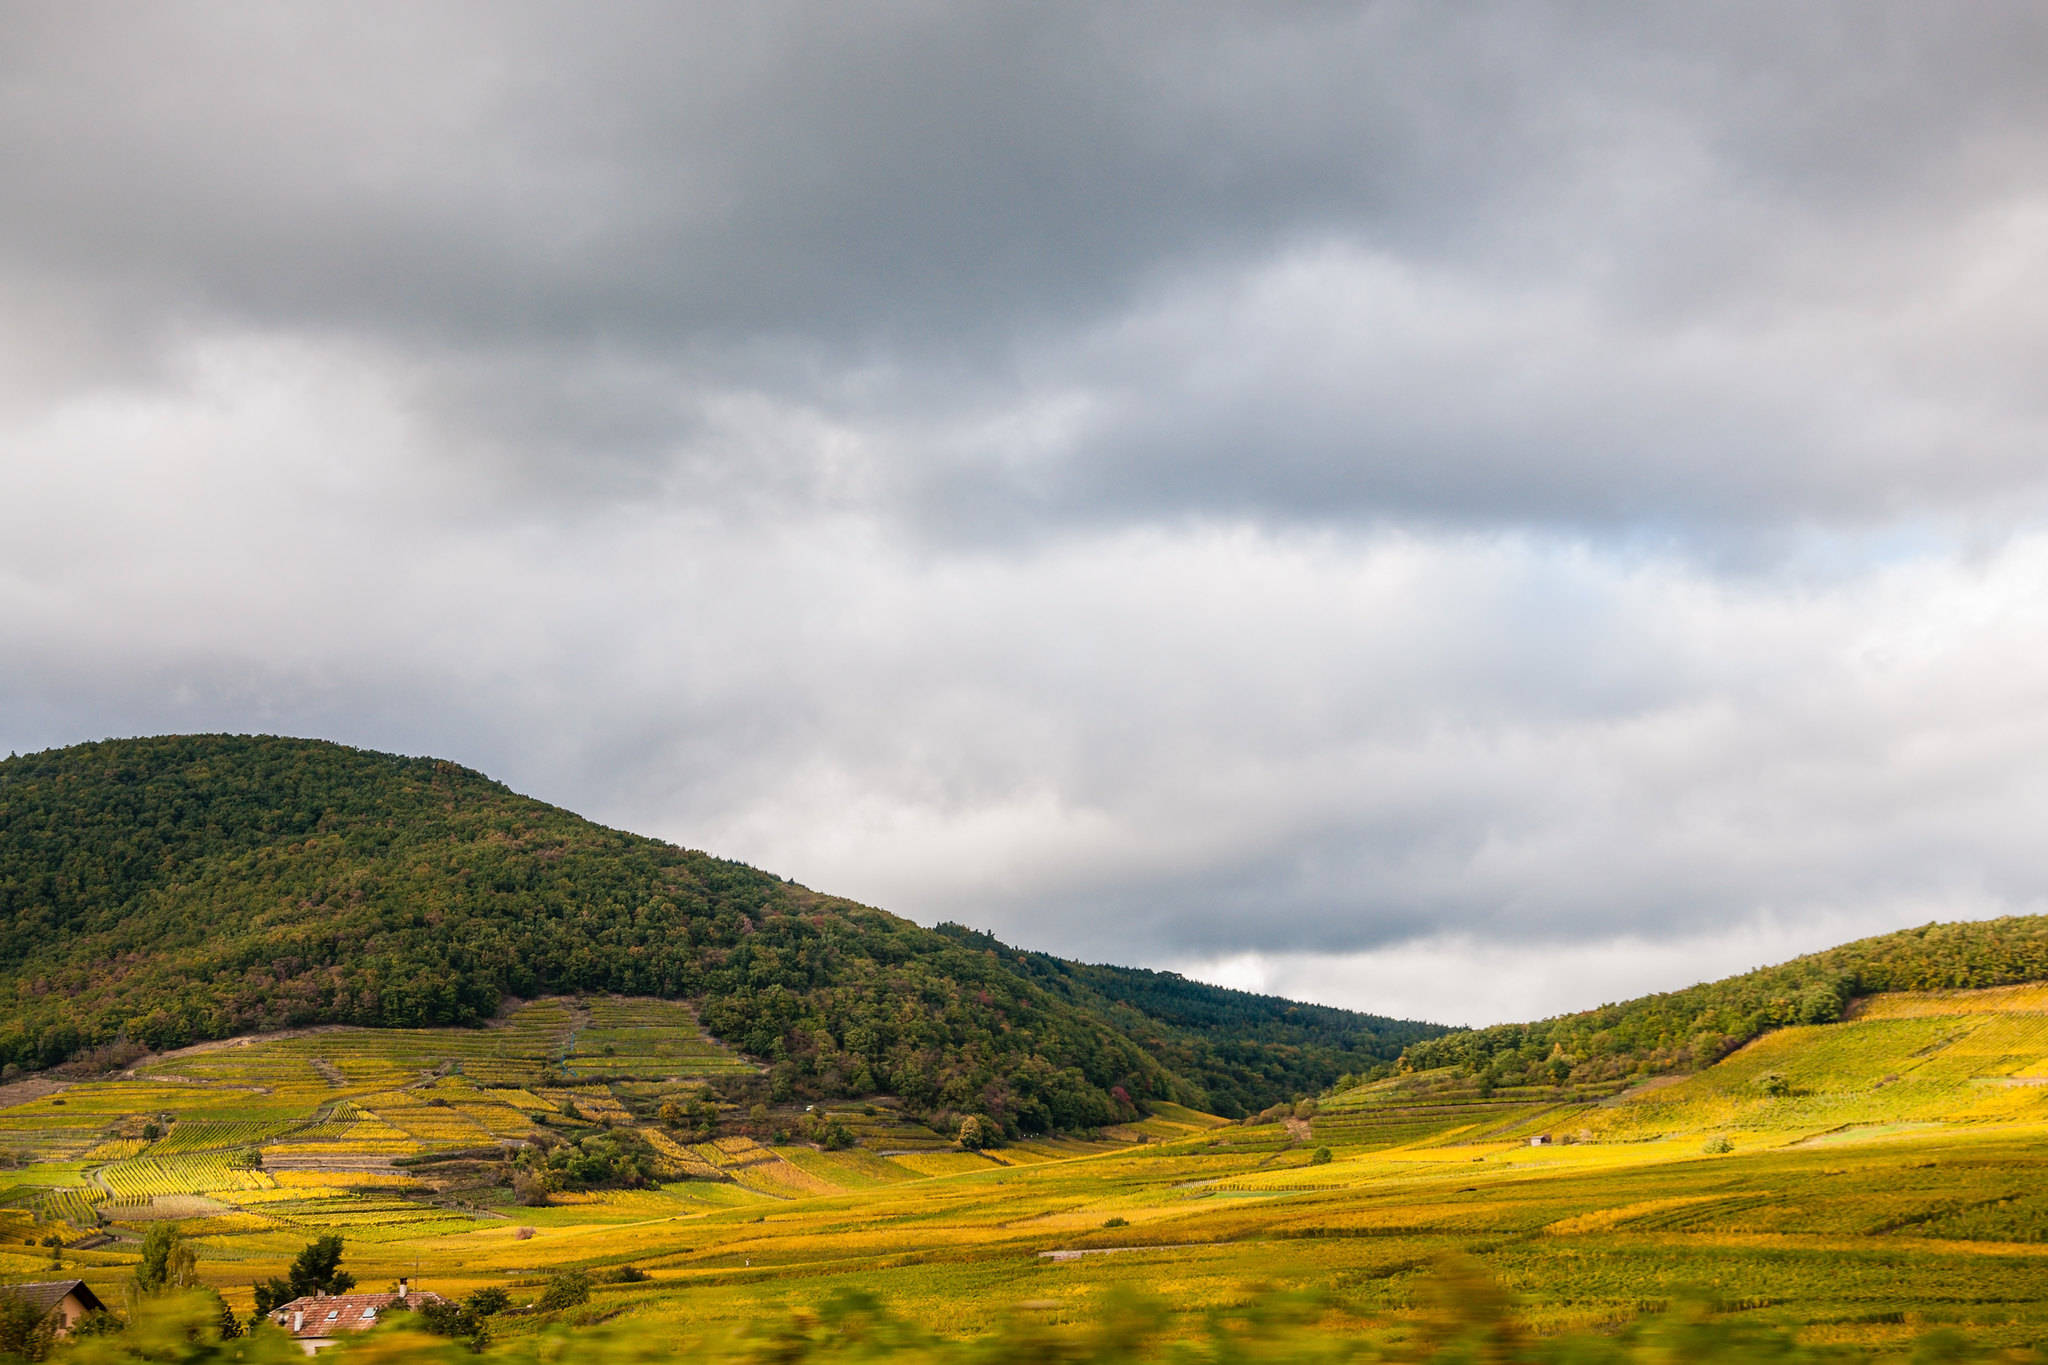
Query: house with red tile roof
{"type": "Point", "coordinates": [317, 1321]}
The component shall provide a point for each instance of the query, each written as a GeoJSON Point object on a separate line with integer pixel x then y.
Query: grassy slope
{"type": "Point", "coordinates": [168, 890]}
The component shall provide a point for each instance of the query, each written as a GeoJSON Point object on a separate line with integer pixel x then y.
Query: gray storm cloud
{"type": "Point", "coordinates": [1312, 496]}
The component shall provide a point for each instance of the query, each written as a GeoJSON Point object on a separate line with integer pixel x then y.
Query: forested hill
{"type": "Point", "coordinates": [1686, 1029]}
{"type": "Point", "coordinates": [1216, 1037]}
{"type": "Point", "coordinates": [170, 890]}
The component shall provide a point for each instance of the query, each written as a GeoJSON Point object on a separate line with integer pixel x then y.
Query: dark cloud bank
{"type": "Point", "coordinates": [1447, 510]}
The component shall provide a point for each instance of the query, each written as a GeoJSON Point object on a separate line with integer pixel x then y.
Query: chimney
{"type": "Point", "coordinates": [298, 1319]}
{"type": "Point", "coordinates": [401, 1286]}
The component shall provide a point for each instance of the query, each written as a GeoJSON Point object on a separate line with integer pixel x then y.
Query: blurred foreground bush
{"type": "Point", "coordinates": [1463, 1319]}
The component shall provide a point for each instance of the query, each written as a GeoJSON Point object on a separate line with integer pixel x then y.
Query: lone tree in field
{"type": "Point", "coordinates": [167, 1262]}
{"type": "Point", "coordinates": [316, 1271]}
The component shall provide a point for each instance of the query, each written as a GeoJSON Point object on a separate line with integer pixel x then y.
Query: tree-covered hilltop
{"type": "Point", "coordinates": [169, 890]}
{"type": "Point", "coordinates": [1690, 1028]}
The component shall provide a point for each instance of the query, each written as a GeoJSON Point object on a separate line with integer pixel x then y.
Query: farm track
{"type": "Point", "coordinates": [1076, 1253]}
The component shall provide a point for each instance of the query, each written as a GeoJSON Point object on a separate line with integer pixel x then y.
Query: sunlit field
{"type": "Point", "coordinates": [1860, 1180]}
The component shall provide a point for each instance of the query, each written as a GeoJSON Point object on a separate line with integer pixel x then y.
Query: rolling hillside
{"type": "Point", "coordinates": [160, 892]}
{"type": "Point", "coordinates": [1859, 1183]}
{"type": "Point", "coordinates": [1896, 1062]}
{"type": "Point", "coordinates": [1847, 1149]}
{"type": "Point", "coordinates": [1684, 1030]}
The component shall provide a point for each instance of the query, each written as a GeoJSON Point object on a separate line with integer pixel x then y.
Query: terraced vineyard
{"type": "Point", "coordinates": [68, 1204]}
{"type": "Point", "coordinates": [207, 1135]}
{"type": "Point", "coordinates": [200, 1173]}
{"type": "Point", "coordinates": [644, 1040]}
{"type": "Point", "coordinates": [1441, 1106]}
{"type": "Point", "coordinates": [322, 1128]}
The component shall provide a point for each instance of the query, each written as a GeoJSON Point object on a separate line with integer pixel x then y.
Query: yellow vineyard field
{"type": "Point", "coordinates": [1865, 1179]}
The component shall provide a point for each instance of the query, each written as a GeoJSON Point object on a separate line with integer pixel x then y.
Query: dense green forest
{"type": "Point", "coordinates": [157, 892]}
{"type": "Point", "coordinates": [1686, 1029]}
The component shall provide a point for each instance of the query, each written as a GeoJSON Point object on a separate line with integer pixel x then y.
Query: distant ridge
{"type": "Point", "coordinates": [162, 891]}
{"type": "Point", "coordinates": [1686, 1029]}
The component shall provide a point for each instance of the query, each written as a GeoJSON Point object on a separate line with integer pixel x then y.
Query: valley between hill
{"type": "Point", "coordinates": [267, 990]}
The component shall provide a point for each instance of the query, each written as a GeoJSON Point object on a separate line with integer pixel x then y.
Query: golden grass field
{"type": "Point", "coordinates": [1882, 1174]}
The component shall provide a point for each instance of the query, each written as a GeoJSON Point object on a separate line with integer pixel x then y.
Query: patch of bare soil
{"type": "Point", "coordinates": [29, 1088]}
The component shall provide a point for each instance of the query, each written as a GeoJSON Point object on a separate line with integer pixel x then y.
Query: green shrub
{"type": "Point", "coordinates": [565, 1289]}
{"type": "Point", "coordinates": [488, 1301]}
{"type": "Point", "coordinates": [615, 1159]}
{"type": "Point", "coordinates": [445, 1319]}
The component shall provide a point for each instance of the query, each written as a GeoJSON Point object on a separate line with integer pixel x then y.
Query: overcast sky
{"type": "Point", "coordinates": [1456, 511]}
